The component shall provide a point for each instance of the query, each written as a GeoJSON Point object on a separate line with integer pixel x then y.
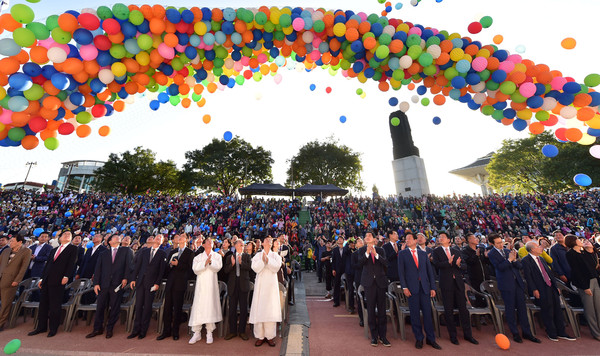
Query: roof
{"type": "Point", "coordinates": [477, 167]}
{"type": "Point", "coordinates": [30, 184]}
{"type": "Point", "coordinates": [265, 189]}
{"type": "Point", "coordinates": [326, 190]}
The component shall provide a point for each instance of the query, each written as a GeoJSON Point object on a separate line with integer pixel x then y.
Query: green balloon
{"type": "Point", "coordinates": [373, 18]}
{"type": "Point", "coordinates": [498, 115]}
{"type": "Point", "coordinates": [488, 110]}
{"type": "Point", "coordinates": [508, 88]}
{"type": "Point", "coordinates": [136, 17]}
{"type": "Point", "coordinates": [24, 37]}
{"type": "Point", "coordinates": [197, 97]}
{"type": "Point", "coordinates": [16, 134]}
{"type": "Point", "coordinates": [429, 70]}
{"type": "Point", "coordinates": [51, 143]}
{"type": "Point", "coordinates": [118, 51]}
{"type": "Point", "coordinates": [215, 26]}
{"type": "Point", "coordinates": [425, 101]}
{"type": "Point", "coordinates": [382, 52]}
{"type": "Point", "coordinates": [319, 26]}
{"type": "Point", "coordinates": [145, 42]}
{"type": "Point", "coordinates": [450, 73]}
{"type": "Point", "coordinates": [260, 18]}
{"type": "Point", "coordinates": [34, 93]}
{"type": "Point", "coordinates": [542, 115]}
{"type": "Point", "coordinates": [395, 121]}
{"type": "Point", "coordinates": [239, 80]}
{"type": "Point", "coordinates": [285, 20]}
{"type": "Point", "coordinates": [359, 91]}
{"type": "Point", "coordinates": [52, 22]}
{"type": "Point", "coordinates": [220, 52]}
{"type": "Point", "coordinates": [426, 59]}
{"type": "Point", "coordinates": [40, 30]}
{"type": "Point", "coordinates": [414, 51]}
{"type": "Point", "coordinates": [177, 64]}
{"type": "Point", "coordinates": [413, 40]}
{"type": "Point", "coordinates": [385, 39]}
{"type": "Point", "coordinates": [174, 100]}
{"type": "Point", "coordinates": [121, 11]}
{"type": "Point", "coordinates": [83, 117]}
{"type": "Point", "coordinates": [486, 21]}
{"type": "Point", "coordinates": [22, 13]}
{"type": "Point", "coordinates": [104, 12]}
{"type": "Point", "coordinates": [592, 80]}
{"type": "Point", "coordinates": [13, 345]}
{"type": "Point", "coordinates": [61, 36]}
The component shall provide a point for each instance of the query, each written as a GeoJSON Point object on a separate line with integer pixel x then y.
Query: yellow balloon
{"type": "Point", "coordinates": [143, 58]}
{"type": "Point", "coordinates": [200, 28]}
{"type": "Point", "coordinates": [339, 29]}
{"type": "Point", "coordinates": [594, 122]}
{"type": "Point", "coordinates": [586, 140]}
{"type": "Point", "coordinates": [2, 94]}
{"type": "Point", "coordinates": [118, 69]}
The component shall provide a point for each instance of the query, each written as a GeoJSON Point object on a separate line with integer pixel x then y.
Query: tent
{"type": "Point", "coordinates": [320, 190]}
{"type": "Point", "coordinates": [265, 189]}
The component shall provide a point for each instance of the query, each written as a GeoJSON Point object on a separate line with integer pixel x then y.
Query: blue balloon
{"type": "Point", "coordinates": [37, 232]}
{"type": "Point", "coordinates": [90, 244]}
{"type": "Point", "coordinates": [83, 36]}
{"type": "Point", "coordinates": [227, 136]}
{"type": "Point", "coordinates": [20, 81]}
{"type": "Point", "coordinates": [154, 105]}
{"type": "Point", "coordinates": [437, 120]}
{"type": "Point", "coordinates": [550, 151]}
{"type": "Point", "coordinates": [68, 213]}
{"type": "Point", "coordinates": [519, 125]}
{"type": "Point", "coordinates": [60, 81]}
{"type": "Point", "coordinates": [173, 16]}
{"type": "Point", "coordinates": [393, 101]}
{"type": "Point", "coordinates": [313, 87]}
{"type": "Point", "coordinates": [582, 179]}
{"type": "Point", "coordinates": [342, 119]}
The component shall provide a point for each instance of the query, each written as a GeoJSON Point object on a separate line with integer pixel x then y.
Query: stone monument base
{"type": "Point", "coordinates": [410, 176]}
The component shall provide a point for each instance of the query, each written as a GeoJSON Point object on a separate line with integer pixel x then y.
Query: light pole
{"type": "Point", "coordinates": [291, 162]}
{"type": "Point", "coordinates": [28, 170]}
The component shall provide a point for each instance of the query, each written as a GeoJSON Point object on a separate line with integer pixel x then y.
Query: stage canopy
{"type": "Point", "coordinates": [265, 189]}
{"type": "Point", "coordinates": [321, 190]}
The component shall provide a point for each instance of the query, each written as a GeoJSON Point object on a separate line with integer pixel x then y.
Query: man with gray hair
{"type": "Point", "coordinates": [543, 288]}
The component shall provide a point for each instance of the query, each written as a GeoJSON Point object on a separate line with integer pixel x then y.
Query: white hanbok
{"type": "Point", "coordinates": [265, 311]}
{"type": "Point", "coordinates": [206, 308]}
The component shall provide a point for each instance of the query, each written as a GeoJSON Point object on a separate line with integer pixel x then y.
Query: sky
{"type": "Point", "coordinates": [283, 117]}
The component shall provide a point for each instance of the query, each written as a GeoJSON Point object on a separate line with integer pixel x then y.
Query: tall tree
{"type": "Point", "coordinates": [224, 167]}
{"type": "Point", "coordinates": [128, 172]}
{"type": "Point", "coordinates": [521, 167]}
{"type": "Point", "coordinates": [326, 162]}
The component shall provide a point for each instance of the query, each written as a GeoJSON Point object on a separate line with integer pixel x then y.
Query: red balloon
{"type": "Point", "coordinates": [328, 90]}
{"type": "Point", "coordinates": [552, 120]}
{"type": "Point", "coordinates": [99, 110]}
{"type": "Point", "coordinates": [474, 27]}
{"type": "Point", "coordinates": [102, 43]}
{"type": "Point", "coordinates": [89, 21]}
{"type": "Point", "coordinates": [37, 124]}
{"type": "Point", "coordinates": [66, 128]}
{"type": "Point", "coordinates": [111, 26]}
{"type": "Point", "coordinates": [40, 79]}
{"type": "Point", "coordinates": [561, 134]}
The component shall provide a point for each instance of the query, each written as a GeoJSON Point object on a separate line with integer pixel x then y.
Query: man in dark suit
{"type": "Point", "coordinates": [475, 257]}
{"type": "Point", "coordinates": [418, 284]}
{"type": "Point", "coordinates": [543, 288]}
{"type": "Point", "coordinates": [511, 286]}
{"type": "Point", "coordinates": [357, 276]}
{"type": "Point", "coordinates": [88, 265]}
{"type": "Point", "coordinates": [146, 278]}
{"type": "Point", "coordinates": [237, 268]}
{"type": "Point", "coordinates": [391, 252]}
{"type": "Point", "coordinates": [349, 271]}
{"type": "Point", "coordinates": [338, 266]}
{"type": "Point", "coordinates": [179, 265]}
{"type": "Point", "coordinates": [448, 262]}
{"type": "Point", "coordinates": [110, 279]}
{"type": "Point", "coordinates": [374, 281]}
{"type": "Point", "coordinates": [59, 267]}
{"type": "Point", "coordinates": [39, 256]}
{"type": "Point", "coordinates": [13, 265]}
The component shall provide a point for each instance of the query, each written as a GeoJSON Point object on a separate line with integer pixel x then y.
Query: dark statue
{"type": "Point", "coordinates": [402, 137]}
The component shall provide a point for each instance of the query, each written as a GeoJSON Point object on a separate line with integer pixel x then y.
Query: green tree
{"type": "Point", "coordinates": [224, 167]}
{"type": "Point", "coordinates": [326, 162]}
{"type": "Point", "coordinates": [520, 166]}
{"type": "Point", "coordinates": [128, 172]}
{"type": "Point", "coordinates": [167, 178]}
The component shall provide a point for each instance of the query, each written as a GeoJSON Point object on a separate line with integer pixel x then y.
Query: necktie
{"type": "Point", "coordinates": [152, 254]}
{"type": "Point", "coordinates": [373, 258]}
{"type": "Point", "coordinates": [448, 254]}
{"type": "Point", "coordinates": [58, 252]}
{"type": "Point", "coordinates": [544, 273]}
{"type": "Point", "coordinates": [237, 266]}
{"type": "Point", "coordinates": [395, 247]}
{"type": "Point", "coordinates": [114, 253]}
{"type": "Point", "coordinates": [414, 253]}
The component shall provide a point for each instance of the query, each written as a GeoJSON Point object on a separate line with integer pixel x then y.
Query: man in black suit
{"type": "Point", "coordinates": [110, 279]}
{"type": "Point", "coordinates": [475, 257]}
{"type": "Point", "coordinates": [59, 267]}
{"type": "Point", "coordinates": [146, 278]}
{"type": "Point", "coordinates": [391, 252]}
{"type": "Point", "coordinates": [338, 266]}
{"type": "Point", "coordinates": [448, 262]}
{"type": "Point", "coordinates": [177, 273]}
{"type": "Point", "coordinates": [543, 288]}
{"type": "Point", "coordinates": [357, 276]}
{"type": "Point", "coordinates": [88, 265]}
{"type": "Point", "coordinates": [349, 270]}
{"type": "Point", "coordinates": [39, 256]}
{"type": "Point", "coordinates": [237, 268]}
{"type": "Point", "coordinates": [80, 253]}
{"type": "Point", "coordinates": [374, 281]}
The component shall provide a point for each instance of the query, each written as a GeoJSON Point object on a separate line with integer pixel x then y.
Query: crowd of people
{"type": "Point", "coordinates": [527, 243]}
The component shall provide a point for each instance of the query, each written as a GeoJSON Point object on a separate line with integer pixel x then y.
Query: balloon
{"type": "Point", "coordinates": [20, 81]}
{"type": "Point", "coordinates": [227, 136]}
{"type": "Point", "coordinates": [89, 244]}
{"type": "Point", "coordinates": [474, 27]}
{"type": "Point", "coordinates": [550, 151]}
{"type": "Point", "coordinates": [104, 131]}
{"type": "Point", "coordinates": [395, 121]}
{"type": "Point", "coordinates": [437, 120]}
{"type": "Point", "coordinates": [342, 119]}
{"type": "Point", "coordinates": [582, 179]}
{"type": "Point", "coordinates": [8, 47]}
{"type": "Point", "coordinates": [22, 13]}
{"type": "Point", "coordinates": [313, 87]}
{"type": "Point", "coordinates": [393, 101]}
{"type": "Point", "coordinates": [591, 80]}
{"type": "Point", "coordinates": [502, 341]}
{"type": "Point", "coordinates": [12, 346]}
{"type": "Point", "coordinates": [51, 143]}
{"type": "Point", "coordinates": [568, 43]}
{"type": "Point", "coordinates": [38, 231]}
{"type": "Point", "coordinates": [486, 21]}
{"type": "Point", "coordinates": [206, 119]}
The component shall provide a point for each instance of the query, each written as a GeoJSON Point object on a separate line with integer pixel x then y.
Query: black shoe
{"type": "Point", "coordinates": [374, 342]}
{"type": "Point", "coordinates": [1, 328]}
{"type": "Point", "coordinates": [419, 344]}
{"type": "Point", "coordinates": [51, 333]}
{"type": "Point", "coordinates": [35, 332]}
{"type": "Point", "coordinates": [533, 339]}
{"type": "Point", "coordinates": [163, 336]}
{"type": "Point", "coordinates": [433, 344]}
{"type": "Point", "coordinates": [336, 305]}
{"type": "Point", "coordinates": [133, 335]}
{"type": "Point", "coordinates": [518, 339]}
{"type": "Point", "coordinates": [566, 337]}
{"type": "Point", "coordinates": [243, 336]}
{"type": "Point", "coordinates": [385, 342]}
{"type": "Point", "coordinates": [109, 334]}
{"type": "Point", "coordinates": [141, 336]}
{"type": "Point", "coordinates": [175, 337]}
{"type": "Point", "coordinates": [472, 340]}
{"type": "Point", "coordinates": [290, 303]}
{"type": "Point", "coordinates": [361, 323]}
{"type": "Point", "coordinates": [352, 311]}
{"type": "Point", "coordinates": [229, 336]}
{"type": "Point", "coordinates": [454, 341]}
{"type": "Point", "coordinates": [93, 334]}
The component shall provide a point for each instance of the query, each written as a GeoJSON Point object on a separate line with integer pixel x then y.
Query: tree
{"type": "Point", "coordinates": [224, 167]}
{"type": "Point", "coordinates": [520, 166]}
{"type": "Point", "coordinates": [326, 162]}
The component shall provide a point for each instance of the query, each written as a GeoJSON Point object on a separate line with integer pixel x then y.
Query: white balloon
{"type": "Point", "coordinates": [389, 29]}
{"type": "Point", "coordinates": [549, 104]}
{"type": "Point", "coordinates": [595, 151]}
{"type": "Point", "coordinates": [405, 61]}
{"type": "Point", "coordinates": [414, 99]}
{"type": "Point", "coordinates": [479, 98]}
{"type": "Point", "coordinates": [586, 140]}
{"type": "Point", "coordinates": [434, 50]}
{"type": "Point", "coordinates": [479, 87]}
{"type": "Point", "coordinates": [404, 106]}
{"type": "Point", "coordinates": [568, 112]}
{"type": "Point", "coordinates": [308, 37]}
{"type": "Point", "coordinates": [106, 76]}
{"type": "Point", "coordinates": [414, 2]}
{"type": "Point", "coordinates": [57, 55]}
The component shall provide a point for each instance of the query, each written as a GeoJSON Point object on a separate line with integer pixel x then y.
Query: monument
{"type": "Point", "coordinates": [409, 168]}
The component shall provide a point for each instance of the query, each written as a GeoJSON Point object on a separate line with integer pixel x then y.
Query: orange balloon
{"type": "Point", "coordinates": [7, 22]}
{"type": "Point", "coordinates": [9, 65]}
{"type": "Point", "coordinates": [585, 114]}
{"type": "Point", "coordinates": [536, 128]}
{"type": "Point", "coordinates": [186, 102]}
{"type": "Point", "coordinates": [206, 119]}
{"type": "Point", "coordinates": [498, 39]}
{"type": "Point", "coordinates": [119, 105]}
{"type": "Point", "coordinates": [568, 43]}
{"type": "Point", "coordinates": [83, 130]}
{"type": "Point", "coordinates": [198, 89]}
{"type": "Point", "coordinates": [30, 142]}
{"type": "Point", "coordinates": [104, 131]}
{"type": "Point", "coordinates": [171, 40]}
{"type": "Point", "coordinates": [48, 133]}
{"type": "Point", "coordinates": [502, 341]}
{"type": "Point", "coordinates": [439, 99]}
{"type": "Point", "coordinates": [573, 134]}
{"type": "Point", "coordinates": [212, 87]}
{"type": "Point", "coordinates": [68, 22]}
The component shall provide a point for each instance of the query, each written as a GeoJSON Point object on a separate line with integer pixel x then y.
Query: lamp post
{"type": "Point", "coordinates": [30, 164]}
{"type": "Point", "coordinates": [291, 162]}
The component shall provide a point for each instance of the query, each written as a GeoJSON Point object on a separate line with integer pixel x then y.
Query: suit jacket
{"type": "Point", "coordinates": [450, 275]}
{"type": "Point", "coordinates": [412, 277]}
{"type": "Point", "coordinates": [63, 266]}
{"type": "Point", "coordinates": [533, 275]}
{"type": "Point", "coordinates": [356, 267]}
{"type": "Point", "coordinates": [245, 268]}
{"type": "Point", "coordinates": [40, 260]}
{"type": "Point", "coordinates": [80, 255]}
{"type": "Point", "coordinates": [88, 265]}
{"type": "Point", "coordinates": [178, 276]}
{"type": "Point", "coordinates": [15, 270]}
{"type": "Point", "coordinates": [338, 263]}
{"type": "Point", "coordinates": [508, 274]}
{"type": "Point", "coordinates": [149, 272]}
{"type": "Point", "coordinates": [109, 274]}
{"type": "Point", "coordinates": [392, 258]}
{"type": "Point", "coordinates": [348, 267]}
{"type": "Point", "coordinates": [373, 273]}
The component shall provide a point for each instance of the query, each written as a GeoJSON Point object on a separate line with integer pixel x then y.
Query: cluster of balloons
{"type": "Point", "coordinates": [61, 74]}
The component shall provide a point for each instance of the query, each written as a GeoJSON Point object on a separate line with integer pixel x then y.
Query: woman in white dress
{"type": "Point", "coordinates": [206, 308]}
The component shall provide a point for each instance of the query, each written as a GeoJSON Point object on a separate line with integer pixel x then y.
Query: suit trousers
{"type": "Point", "coordinates": [591, 307]}
{"type": "Point", "coordinates": [143, 308]}
{"type": "Point", "coordinates": [350, 286]}
{"type": "Point", "coordinates": [514, 304]}
{"type": "Point", "coordinates": [360, 311]}
{"type": "Point", "coordinates": [337, 288]}
{"type": "Point", "coordinates": [552, 315]}
{"type": "Point", "coordinates": [51, 298]}
{"type": "Point", "coordinates": [319, 270]}
{"type": "Point", "coordinates": [173, 309]}
{"type": "Point", "coordinates": [376, 299]}
{"type": "Point", "coordinates": [454, 297]}
{"type": "Point", "coordinates": [238, 298]}
{"type": "Point", "coordinates": [417, 303]}
{"type": "Point", "coordinates": [7, 295]}
{"type": "Point", "coordinates": [108, 298]}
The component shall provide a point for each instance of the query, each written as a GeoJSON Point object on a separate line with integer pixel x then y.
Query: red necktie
{"type": "Point", "coordinates": [373, 257]}
{"type": "Point", "coordinates": [448, 254]}
{"type": "Point", "coordinates": [414, 253]}
{"type": "Point", "coordinates": [58, 252]}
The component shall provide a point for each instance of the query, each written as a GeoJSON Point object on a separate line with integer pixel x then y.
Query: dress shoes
{"type": "Point", "coordinates": [419, 344]}
{"type": "Point", "coordinates": [291, 303]}
{"type": "Point", "coordinates": [259, 342]}
{"type": "Point", "coordinates": [454, 341]}
{"type": "Point", "coordinates": [35, 332]}
{"type": "Point", "coordinates": [566, 337]}
{"type": "Point", "coordinates": [141, 336]}
{"type": "Point", "coordinates": [229, 336]}
{"type": "Point", "coordinates": [163, 336]}
{"type": "Point", "coordinates": [361, 323]}
{"type": "Point", "coordinates": [532, 339]}
{"type": "Point", "coordinates": [384, 341]}
{"type": "Point", "coordinates": [93, 334]}
{"type": "Point", "coordinates": [374, 342]}
{"type": "Point", "coordinates": [271, 342]}
{"type": "Point", "coordinates": [109, 334]}
{"type": "Point", "coordinates": [175, 337]}
{"type": "Point", "coordinates": [433, 344]}
{"type": "Point", "coordinates": [1, 328]}
{"type": "Point", "coordinates": [243, 336]}
{"type": "Point", "coordinates": [472, 340]}
{"type": "Point", "coordinates": [336, 305]}
{"type": "Point", "coordinates": [133, 335]}
{"type": "Point", "coordinates": [51, 333]}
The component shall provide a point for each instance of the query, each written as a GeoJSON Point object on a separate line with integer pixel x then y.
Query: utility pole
{"type": "Point", "coordinates": [28, 170]}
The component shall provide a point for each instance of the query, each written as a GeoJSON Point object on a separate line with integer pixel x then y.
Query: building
{"type": "Point", "coordinates": [477, 173]}
{"type": "Point", "coordinates": [77, 175]}
{"type": "Point", "coordinates": [28, 186]}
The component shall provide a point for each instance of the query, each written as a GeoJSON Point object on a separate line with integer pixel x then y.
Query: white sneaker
{"type": "Point", "coordinates": [209, 338]}
{"type": "Point", "coordinates": [195, 338]}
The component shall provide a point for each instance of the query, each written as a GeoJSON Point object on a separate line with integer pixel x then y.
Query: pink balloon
{"type": "Point", "coordinates": [88, 52]}
{"type": "Point", "coordinates": [6, 116]}
{"type": "Point", "coordinates": [557, 83]}
{"type": "Point", "coordinates": [278, 78]}
{"type": "Point", "coordinates": [415, 30]}
{"type": "Point", "coordinates": [515, 58]}
{"type": "Point", "coordinates": [507, 66]}
{"type": "Point", "coordinates": [166, 51]}
{"type": "Point", "coordinates": [262, 58]}
{"type": "Point", "coordinates": [315, 55]}
{"type": "Point", "coordinates": [479, 64]}
{"type": "Point", "coordinates": [527, 89]}
{"type": "Point", "coordinates": [298, 24]}
{"type": "Point", "coordinates": [245, 61]}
